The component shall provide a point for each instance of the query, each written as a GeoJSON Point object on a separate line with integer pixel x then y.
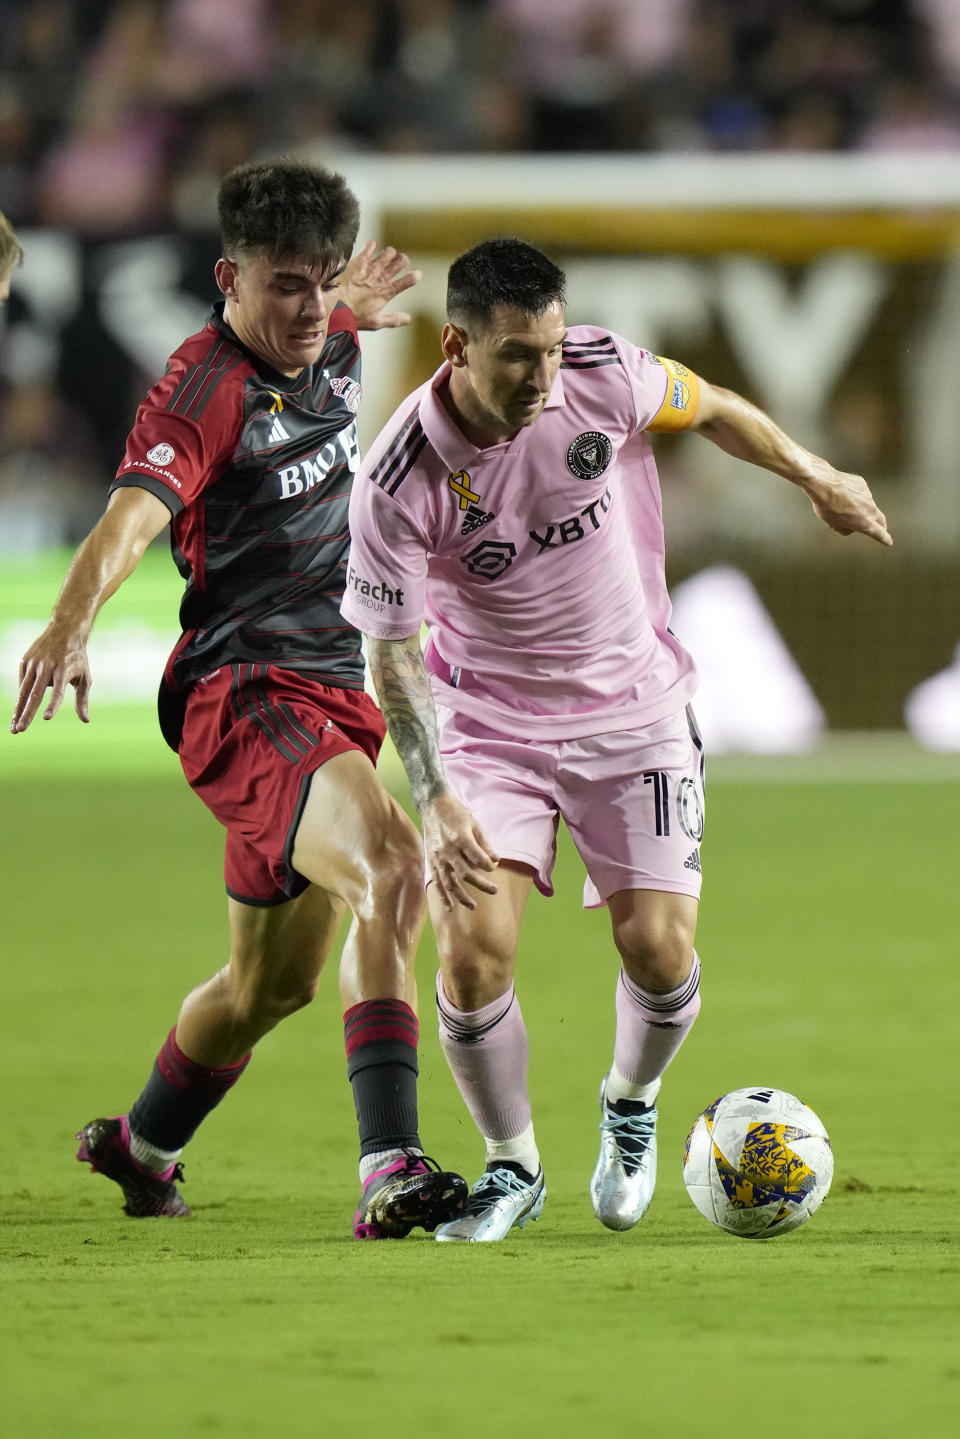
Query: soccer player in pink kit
{"type": "Point", "coordinates": [512, 503]}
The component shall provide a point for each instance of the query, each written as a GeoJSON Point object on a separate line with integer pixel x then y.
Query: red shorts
{"type": "Point", "coordinates": [253, 735]}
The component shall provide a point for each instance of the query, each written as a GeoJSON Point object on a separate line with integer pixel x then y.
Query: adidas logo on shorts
{"type": "Point", "coordinates": [692, 861]}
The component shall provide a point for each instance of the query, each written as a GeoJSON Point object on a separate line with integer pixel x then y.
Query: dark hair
{"type": "Point", "coordinates": [286, 207]}
{"type": "Point", "coordinates": [502, 272]}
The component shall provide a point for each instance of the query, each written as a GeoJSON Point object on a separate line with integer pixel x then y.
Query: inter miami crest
{"type": "Point", "coordinates": [589, 455]}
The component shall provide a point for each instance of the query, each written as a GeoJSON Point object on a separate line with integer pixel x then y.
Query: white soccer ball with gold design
{"type": "Point", "coordinates": [757, 1162]}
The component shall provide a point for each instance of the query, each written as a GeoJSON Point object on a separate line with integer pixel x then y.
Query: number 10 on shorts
{"type": "Point", "coordinates": [661, 799]}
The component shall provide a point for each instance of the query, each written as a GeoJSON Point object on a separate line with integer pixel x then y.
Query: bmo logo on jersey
{"type": "Point", "coordinates": [306, 474]}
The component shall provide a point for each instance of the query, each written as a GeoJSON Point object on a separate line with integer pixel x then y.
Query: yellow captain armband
{"type": "Point", "coordinates": [682, 400]}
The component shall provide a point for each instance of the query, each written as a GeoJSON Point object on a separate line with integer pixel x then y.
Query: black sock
{"type": "Point", "coordinates": [178, 1096]}
{"type": "Point", "coordinates": [381, 1039]}
{"type": "Point", "coordinates": [514, 1168]}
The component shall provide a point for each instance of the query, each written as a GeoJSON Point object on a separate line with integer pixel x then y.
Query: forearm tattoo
{"type": "Point", "coordinates": [403, 689]}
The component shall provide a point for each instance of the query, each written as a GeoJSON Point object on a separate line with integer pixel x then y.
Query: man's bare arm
{"type": "Point", "coordinates": [843, 501]}
{"type": "Point", "coordinates": [403, 689]}
{"type": "Point", "coordinates": [457, 853]}
{"type": "Point", "coordinates": [109, 554]}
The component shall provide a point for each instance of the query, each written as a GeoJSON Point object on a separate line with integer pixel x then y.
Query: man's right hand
{"type": "Point", "coordinates": [109, 554]}
{"type": "Point", "coordinates": [51, 663]}
{"type": "Point", "coordinates": [459, 858]}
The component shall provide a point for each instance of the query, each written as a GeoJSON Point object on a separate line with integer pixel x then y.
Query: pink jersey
{"type": "Point", "coordinates": [537, 564]}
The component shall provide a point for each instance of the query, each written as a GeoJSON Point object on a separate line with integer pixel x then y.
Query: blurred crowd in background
{"type": "Point", "coordinates": [118, 115]}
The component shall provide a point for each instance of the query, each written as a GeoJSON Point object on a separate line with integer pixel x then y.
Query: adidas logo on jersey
{"type": "Point", "coordinates": [277, 433]}
{"type": "Point", "coordinates": [473, 520]}
{"type": "Point", "coordinates": [692, 861]}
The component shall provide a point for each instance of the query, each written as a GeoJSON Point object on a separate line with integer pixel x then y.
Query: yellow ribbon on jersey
{"type": "Point", "coordinates": [460, 484]}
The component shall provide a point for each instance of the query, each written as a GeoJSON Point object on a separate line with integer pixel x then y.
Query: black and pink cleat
{"type": "Point", "coordinates": [410, 1192]}
{"type": "Point", "coordinates": [105, 1146]}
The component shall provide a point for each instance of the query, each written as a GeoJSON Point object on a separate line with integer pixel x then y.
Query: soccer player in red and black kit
{"type": "Point", "coordinates": [247, 448]}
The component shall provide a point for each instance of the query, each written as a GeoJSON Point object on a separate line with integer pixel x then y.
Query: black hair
{"type": "Point", "coordinates": [286, 207]}
{"type": "Point", "coordinates": [502, 272]}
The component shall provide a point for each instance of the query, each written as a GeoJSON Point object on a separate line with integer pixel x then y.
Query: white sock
{"type": "Point", "coordinates": [370, 1163]}
{"type": "Point", "coordinates": [522, 1150]}
{"type": "Point", "coordinates": [150, 1157]}
{"type": "Point", "coordinates": [620, 1088]}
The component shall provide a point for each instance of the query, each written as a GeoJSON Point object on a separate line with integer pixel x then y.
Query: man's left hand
{"type": "Point", "coordinates": [370, 281]}
{"type": "Point", "coordinates": [844, 502]}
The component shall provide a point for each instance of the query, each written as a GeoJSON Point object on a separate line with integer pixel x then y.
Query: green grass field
{"type": "Point", "coordinates": [829, 951]}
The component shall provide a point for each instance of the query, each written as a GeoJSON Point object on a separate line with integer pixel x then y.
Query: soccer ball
{"type": "Point", "coordinates": [758, 1162]}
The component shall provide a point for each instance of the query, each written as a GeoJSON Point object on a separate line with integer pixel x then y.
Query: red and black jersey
{"type": "Point", "coordinates": [256, 468]}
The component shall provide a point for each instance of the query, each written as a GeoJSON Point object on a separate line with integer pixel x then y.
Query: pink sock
{"type": "Point", "coordinates": [487, 1052]}
{"type": "Point", "coordinates": [651, 1027]}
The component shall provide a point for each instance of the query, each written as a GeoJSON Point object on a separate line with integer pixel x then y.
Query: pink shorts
{"type": "Point", "coordinates": [632, 800]}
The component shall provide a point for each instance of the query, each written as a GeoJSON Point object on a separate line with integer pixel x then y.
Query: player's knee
{"type": "Point", "coordinates": [287, 999]}
{"type": "Point", "coordinates": [392, 875]}
{"type": "Point", "coordinates": [264, 1000]}
{"type": "Point", "coordinates": [656, 954]}
{"type": "Point", "coordinates": [473, 977]}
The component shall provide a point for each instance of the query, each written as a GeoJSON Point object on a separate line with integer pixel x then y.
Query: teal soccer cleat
{"type": "Point", "coordinates": [500, 1200]}
{"type": "Point", "coordinates": [626, 1174]}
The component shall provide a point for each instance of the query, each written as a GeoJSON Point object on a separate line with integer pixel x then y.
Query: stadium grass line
{"type": "Point", "coordinates": [124, 741]}
{"type": "Point", "coordinates": [846, 756]}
